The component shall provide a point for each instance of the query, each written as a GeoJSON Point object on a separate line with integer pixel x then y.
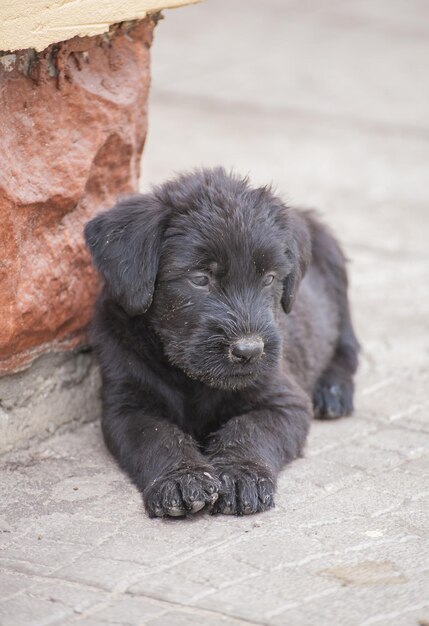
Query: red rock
{"type": "Point", "coordinates": [72, 128]}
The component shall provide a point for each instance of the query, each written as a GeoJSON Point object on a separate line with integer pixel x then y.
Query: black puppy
{"type": "Point", "coordinates": [211, 345]}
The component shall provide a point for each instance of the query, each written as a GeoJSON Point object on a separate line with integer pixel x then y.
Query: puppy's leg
{"type": "Point", "coordinates": [250, 449]}
{"type": "Point", "coordinates": [159, 457]}
{"type": "Point", "coordinates": [333, 396]}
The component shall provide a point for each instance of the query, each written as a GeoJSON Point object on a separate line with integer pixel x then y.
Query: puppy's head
{"type": "Point", "coordinates": [210, 262]}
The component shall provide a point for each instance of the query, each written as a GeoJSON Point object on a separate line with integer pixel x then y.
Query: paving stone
{"type": "Point", "coordinates": [193, 618]}
{"type": "Point", "coordinates": [77, 597]}
{"type": "Point", "coordinates": [102, 573]}
{"type": "Point", "coordinates": [297, 66]}
{"type": "Point", "coordinates": [11, 583]}
{"type": "Point", "coordinates": [178, 584]}
{"type": "Point", "coordinates": [136, 611]}
{"type": "Point", "coordinates": [30, 611]}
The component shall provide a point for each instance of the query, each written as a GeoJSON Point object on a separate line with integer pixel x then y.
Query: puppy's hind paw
{"type": "Point", "coordinates": [181, 492]}
{"type": "Point", "coordinates": [333, 400]}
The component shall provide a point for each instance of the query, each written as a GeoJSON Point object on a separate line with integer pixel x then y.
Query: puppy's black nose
{"type": "Point", "coordinates": [247, 349]}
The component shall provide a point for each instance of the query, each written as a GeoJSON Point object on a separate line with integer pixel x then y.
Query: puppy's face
{"type": "Point", "coordinates": [218, 292]}
{"type": "Point", "coordinates": [223, 259]}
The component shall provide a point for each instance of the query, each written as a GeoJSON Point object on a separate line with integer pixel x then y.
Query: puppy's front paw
{"type": "Point", "coordinates": [245, 488]}
{"type": "Point", "coordinates": [180, 492]}
{"type": "Point", "coordinates": [332, 400]}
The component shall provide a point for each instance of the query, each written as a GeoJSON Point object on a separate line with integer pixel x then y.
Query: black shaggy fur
{"type": "Point", "coordinates": [213, 346]}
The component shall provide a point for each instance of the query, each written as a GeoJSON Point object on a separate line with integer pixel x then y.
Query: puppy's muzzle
{"type": "Point", "coordinates": [246, 349]}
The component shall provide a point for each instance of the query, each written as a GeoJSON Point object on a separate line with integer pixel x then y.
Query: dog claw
{"type": "Point", "coordinates": [176, 512]}
{"type": "Point", "coordinates": [197, 506]}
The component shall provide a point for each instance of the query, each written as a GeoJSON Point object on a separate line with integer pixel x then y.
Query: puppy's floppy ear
{"type": "Point", "coordinates": [125, 244]}
{"type": "Point", "coordinates": [299, 253]}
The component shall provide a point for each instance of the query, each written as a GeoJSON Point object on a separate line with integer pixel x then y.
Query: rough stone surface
{"type": "Point", "coordinates": [73, 123]}
{"type": "Point", "coordinates": [57, 390]}
{"type": "Point", "coordinates": [347, 544]}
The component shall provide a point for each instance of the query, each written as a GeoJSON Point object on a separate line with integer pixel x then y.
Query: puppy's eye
{"type": "Point", "coordinates": [199, 280]}
{"type": "Point", "coordinates": [268, 279]}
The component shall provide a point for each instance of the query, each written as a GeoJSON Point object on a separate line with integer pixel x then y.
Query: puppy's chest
{"type": "Point", "coordinates": [205, 412]}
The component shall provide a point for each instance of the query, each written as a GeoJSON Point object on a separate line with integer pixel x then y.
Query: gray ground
{"type": "Point", "coordinates": [330, 101]}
